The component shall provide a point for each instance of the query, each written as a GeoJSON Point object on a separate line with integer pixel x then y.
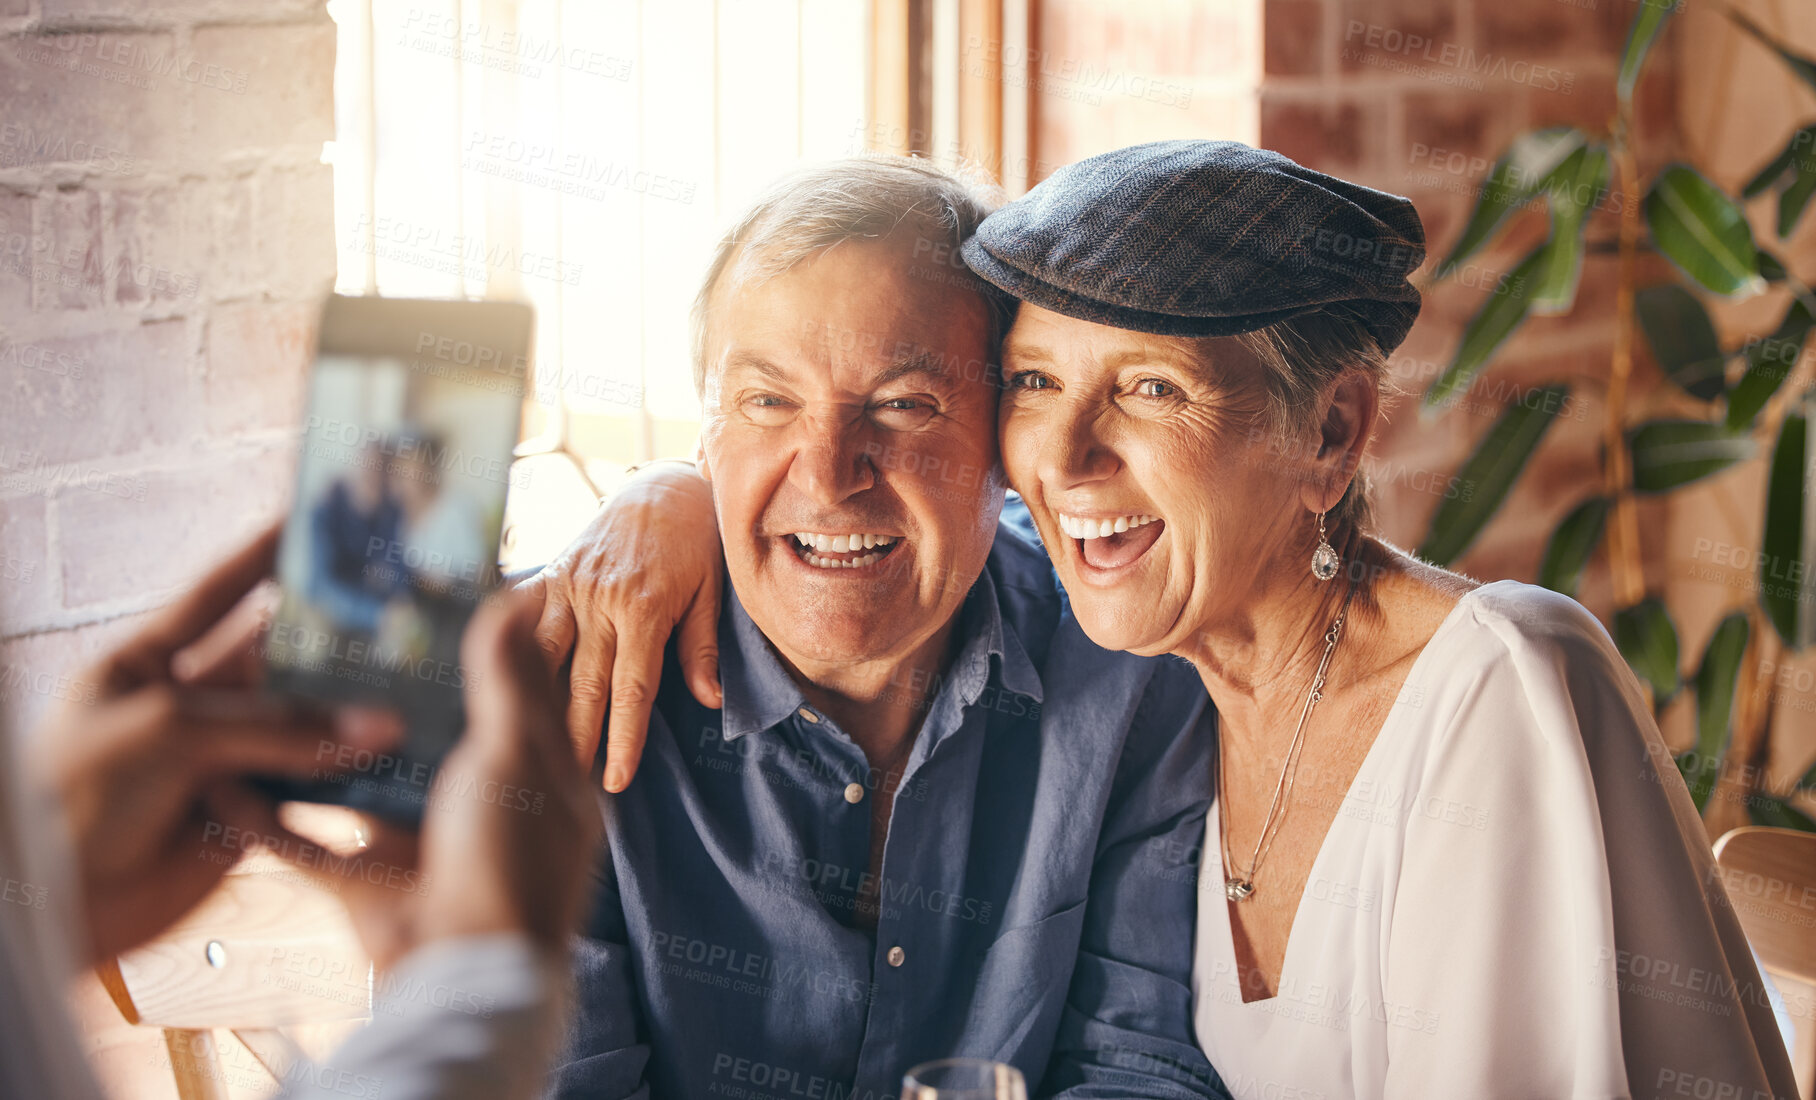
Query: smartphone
{"type": "Point", "coordinates": [392, 538]}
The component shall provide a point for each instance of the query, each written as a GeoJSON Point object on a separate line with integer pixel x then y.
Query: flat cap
{"type": "Point", "coordinates": [1205, 238]}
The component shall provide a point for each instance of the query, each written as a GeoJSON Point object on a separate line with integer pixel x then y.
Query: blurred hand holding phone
{"type": "Point", "coordinates": [392, 538]}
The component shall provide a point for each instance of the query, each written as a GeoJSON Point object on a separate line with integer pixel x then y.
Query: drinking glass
{"type": "Point", "coordinates": [964, 1079]}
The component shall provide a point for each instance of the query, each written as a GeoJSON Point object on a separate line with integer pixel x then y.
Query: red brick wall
{"type": "Point", "coordinates": [1418, 97]}
{"type": "Point", "coordinates": [1108, 75]}
{"type": "Point", "coordinates": [166, 225]}
{"type": "Point", "coordinates": [1381, 91]}
{"type": "Point", "coordinates": [1415, 97]}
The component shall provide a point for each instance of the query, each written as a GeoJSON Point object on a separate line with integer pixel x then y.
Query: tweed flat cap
{"type": "Point", "coordinates": [1204, 238]}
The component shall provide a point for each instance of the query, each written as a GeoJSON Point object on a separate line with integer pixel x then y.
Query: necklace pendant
{"type": "Point", "coordinates": [1236, 889]}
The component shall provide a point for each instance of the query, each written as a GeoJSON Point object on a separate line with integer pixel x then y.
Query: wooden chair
{"type": "Point", "coordinates": [267, 957]}
{"type": "Point", "coordinates": [1771, 879]}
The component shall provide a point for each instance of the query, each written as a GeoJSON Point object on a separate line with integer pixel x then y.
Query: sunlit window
{"type": "Point", "coordinates": [582, 155]}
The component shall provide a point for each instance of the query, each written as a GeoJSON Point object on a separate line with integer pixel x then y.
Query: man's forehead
{"type": "Point", "coordinates": [861, 309]}
{"type": "Point", "coordinates": [876, 334]}
{"type": "Point", "coordinates": [883, 277]}
{"type": "Point", "coordinates": [872, 366]}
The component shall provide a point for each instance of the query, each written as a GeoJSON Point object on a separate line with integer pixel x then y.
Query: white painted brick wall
{"type": "Point", "coordinates": [166, 230]}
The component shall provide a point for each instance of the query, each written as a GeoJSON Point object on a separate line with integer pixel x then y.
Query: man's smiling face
{"type": "Point", "coordinates": [850, 436]}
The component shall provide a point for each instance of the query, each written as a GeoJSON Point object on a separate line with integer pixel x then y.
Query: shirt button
{"type": "Point", "coordinates": [854, 793]}
{"type": "Point", "coordinates": [808, 714]}
{"type": "Point", "coordinates": [897, 956]}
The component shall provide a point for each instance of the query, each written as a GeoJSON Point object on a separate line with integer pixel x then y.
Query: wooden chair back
{"type": "Point", "coordinates": [1770, 878]}
{"type": "Point", "coordinates": [267, 953]}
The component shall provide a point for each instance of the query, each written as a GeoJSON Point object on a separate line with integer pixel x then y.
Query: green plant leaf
{"type": "Point", "coordinates": [1779, 814]}
{"type": "Point", "coordinates": [1487, 331]}
{"type": "Point", "coordinates": [1800, 147]}
{"type": "Point", "coordinates": [1769, 363]}
{"type": "Point", "coordinates": [1771, 269]}
{"type": "Point", "coordinates": [1647, 23]}
{"type": "Point", "coordinates": [1715, 681]}
{"type": "Point", "coordinates": [1781, 546]}
{"type": "Point", "coordinates": [1794, 170]}
{"type": "Point", "coordinates": [1572, 544]}
{"type": "Point", "coordinates": [1794, 199]}
{"type": "Point", "coordinates": [1555, 289]}
{"type": "Point", "coordinates": [1803, 66]}
{"type": "Point", "coordinates": [1573, 190]}
{"type": "Point", "coordinates": [1489, 473]}
{"type": "Point", "coordinates": [1670, 453]}
{"type": "Point", "coordinates": [1646, 636]}
{"type": "Point", "coordinates": [1515, 179]}
{"type": "Point", "coordinates": [1774, 168]}
{"type": "Point", "coordinates": [1701, 231]}
{"type": "Point", "coordinates": [1682, 338]}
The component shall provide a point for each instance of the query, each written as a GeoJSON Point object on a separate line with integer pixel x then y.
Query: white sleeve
{"type": "Point", "coordinates": [1589, 952]}
{"type": "Point", "coordinates": [40, 910]}
{"type": "Point", "coordinates": [476, 1018]}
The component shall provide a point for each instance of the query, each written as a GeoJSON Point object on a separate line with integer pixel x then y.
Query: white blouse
{"type": "Point", "coordinates": [1516, 898]}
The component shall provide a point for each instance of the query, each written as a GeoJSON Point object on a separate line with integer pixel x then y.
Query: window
{"type": "Point", "coordinates": [582, 155]}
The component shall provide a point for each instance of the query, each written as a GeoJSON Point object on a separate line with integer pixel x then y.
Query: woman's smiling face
{"type": "Point", "coordinates": [1159, 452]}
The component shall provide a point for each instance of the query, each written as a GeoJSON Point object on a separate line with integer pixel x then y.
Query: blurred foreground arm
{"type": "Point", "coordinates": [155, 743]}
{"type": "Point", "coordinates": [150, 748]}
{"type": "Point", "coordinates": [473, 967]}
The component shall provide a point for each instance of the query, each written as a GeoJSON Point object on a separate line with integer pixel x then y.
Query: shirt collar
{"type": "Point", "coordinates": [760, 692]}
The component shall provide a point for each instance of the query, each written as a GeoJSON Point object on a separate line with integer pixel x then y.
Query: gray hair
{"type": "Point", "coordinates": [1300, 357]}
{"type": "Point", "coordinates": [855, 198]}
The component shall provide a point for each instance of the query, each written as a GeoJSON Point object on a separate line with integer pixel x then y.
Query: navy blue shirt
{"type": "Point", "coordinates": [1035, 897]}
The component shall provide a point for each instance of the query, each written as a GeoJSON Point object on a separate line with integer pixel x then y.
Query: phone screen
{"type": "Point", "coordinates": [392, 538]}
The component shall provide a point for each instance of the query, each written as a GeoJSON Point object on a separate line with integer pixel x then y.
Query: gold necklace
{"type": "Point", "coordinates": [1239, 883]}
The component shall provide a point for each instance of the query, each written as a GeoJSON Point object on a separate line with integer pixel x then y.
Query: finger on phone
{"type": "Point", "coordinates": [237, 732]}
{"type": "Point", "coordinates": [232, 654]}
{"type": "Point", "coordinates": [253, 815]}
{"type": "Point", "coordinates": [636, 674]}
{"type": "Point", "coordinates": [544, 699]}
{"type": "Point", "coordinates": [513, 703]}
{"type": "Point", "coordinates": [698, 644]}
{"type": "Point", "coordinates": [147, 655]}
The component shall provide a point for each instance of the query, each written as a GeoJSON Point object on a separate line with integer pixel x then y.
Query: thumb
{"type": "Point", "coordinates": [508, 678]}
{"type": "Point", "coordinates": [697, 643]}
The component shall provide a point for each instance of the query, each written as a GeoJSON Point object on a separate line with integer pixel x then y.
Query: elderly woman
{"type": "Point", "coordinates": [1447, 854]}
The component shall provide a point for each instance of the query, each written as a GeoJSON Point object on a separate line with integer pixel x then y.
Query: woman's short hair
{"type": "Point", "coordinates": [1299, 358]}
{"type": "Point", "coordinates": [854, 198]}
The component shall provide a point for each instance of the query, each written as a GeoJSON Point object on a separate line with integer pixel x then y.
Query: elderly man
{"type": "Point", "coordinates": [931, 819]}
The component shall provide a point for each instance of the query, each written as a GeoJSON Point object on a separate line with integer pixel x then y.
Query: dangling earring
{"type": "Point", "coordinates": [1324, 558]}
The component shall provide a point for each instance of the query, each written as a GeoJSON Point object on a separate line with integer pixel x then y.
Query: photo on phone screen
{"type": "Point", "coordinates": [392, 539]}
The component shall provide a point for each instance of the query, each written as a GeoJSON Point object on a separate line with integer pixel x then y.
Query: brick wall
{"type": "Point", "coordinates": [1106, 75]}
{"type": "Point", "coordinates": [1383, 91]}
{"type": "Point", "coordinates": [166, 225]}
{"type": "Point", "coordinates": [1414, 97]}
{"type": "Point", "coordinates": [1418, 97]}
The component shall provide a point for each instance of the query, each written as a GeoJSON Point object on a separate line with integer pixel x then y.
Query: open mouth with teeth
{"type": "Point", "coordinates": [846, 551]}
{"type": "Point", "coordinates": [1111, 542]}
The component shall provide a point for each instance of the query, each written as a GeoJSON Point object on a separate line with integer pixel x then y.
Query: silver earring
{"type": "Point", "coordinates": [1324, 558]}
